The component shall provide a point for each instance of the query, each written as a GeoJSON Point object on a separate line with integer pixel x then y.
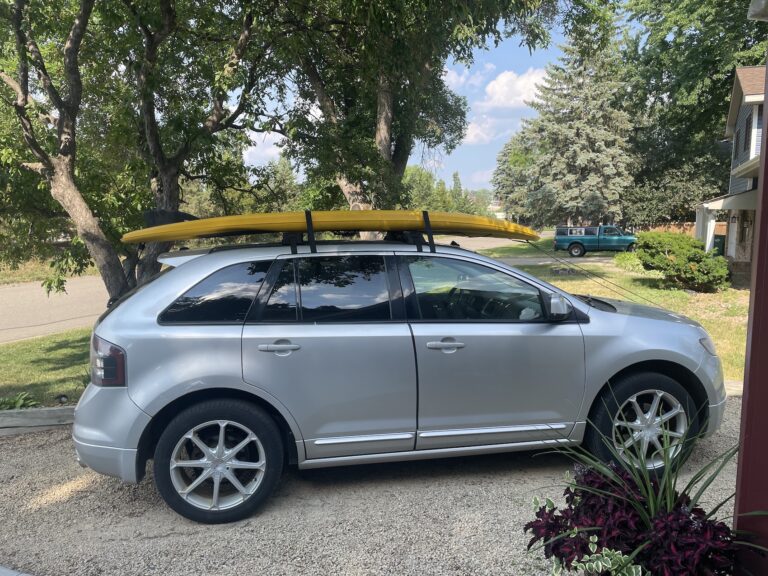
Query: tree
{"type": "Point", "coordinates": [581, 162]}
{"type": "Point", "coordinates": [370, 77]}
{"type": "Point", "coordinates": [679, 64]}
{"type": "Point", "coordinates": [423, 192]}
{"type": "Point", "coordinates": [512, 177]}
{"type": "Point", "coordinates": [46, 95]}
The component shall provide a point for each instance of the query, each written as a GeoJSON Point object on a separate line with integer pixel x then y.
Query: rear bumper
{"type": "Point", "coordinates": [107, 430]}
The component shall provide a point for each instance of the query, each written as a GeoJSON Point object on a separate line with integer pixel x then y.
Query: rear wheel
{"type": "Point", "coordinates": [639, 418]}
{"type": "Point", "coordinates": [218, 461]}
{"type": "Point", "coordinates": [576, 250]}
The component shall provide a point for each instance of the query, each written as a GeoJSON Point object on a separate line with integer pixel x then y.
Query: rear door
{"type": "Point", "coordinates": [328, 338]}
{"type": "Point", "coordinates": [491, 368]}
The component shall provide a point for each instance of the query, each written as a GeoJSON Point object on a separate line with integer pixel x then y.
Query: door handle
{"type": "Point", "coordinates": [278, 347]}
{"type": "Point", "coordinates": [445, 345]}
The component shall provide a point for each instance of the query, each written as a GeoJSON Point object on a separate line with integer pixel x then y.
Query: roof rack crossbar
{"type": "Point", "coordinates": [310, 232]}
{"type": "Point", "coordinates": [428, 230]}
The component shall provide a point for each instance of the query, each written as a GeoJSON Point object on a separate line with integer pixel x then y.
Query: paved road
{"type": "Point", "coordinates": [443, 517]}
{"type": "Point", "coordinates": [26, 310]}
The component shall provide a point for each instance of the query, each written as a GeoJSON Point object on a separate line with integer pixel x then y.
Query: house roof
{"type": "Point", "coordinates": [748, 86]}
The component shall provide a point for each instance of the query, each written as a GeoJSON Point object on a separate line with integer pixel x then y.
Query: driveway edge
{"type": "Point", "coordinates": [34, 420]}
{"type": "Point", "coordinates": [9, 572]}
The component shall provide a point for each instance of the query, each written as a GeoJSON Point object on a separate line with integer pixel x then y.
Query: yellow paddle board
{"type": "Point", "coordinates": [333, 221]}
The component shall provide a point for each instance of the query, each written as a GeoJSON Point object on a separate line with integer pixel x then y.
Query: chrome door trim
{"type": "Point", "coordinates": [434, 453]}
{"type": "Point", "coordinates": [366, 438]}
{"type": "Point", "coordinates": [493, 430]}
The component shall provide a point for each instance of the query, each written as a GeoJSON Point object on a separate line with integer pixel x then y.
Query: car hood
{"type": "Point", "coordinates": [650, 312]}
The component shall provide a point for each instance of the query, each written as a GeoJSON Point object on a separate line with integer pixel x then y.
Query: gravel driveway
{"type": "Point", "coordinates": [456, 516]}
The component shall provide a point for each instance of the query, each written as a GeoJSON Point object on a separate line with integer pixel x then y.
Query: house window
{"type": "Point", "coordinates": [736, 140]}
{"type": "Point", "coordinates": [748, 133]}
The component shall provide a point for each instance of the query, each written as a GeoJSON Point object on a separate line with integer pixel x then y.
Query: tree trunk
{"type": "Point", "coordinates": [167, 192]}
{"type": "Point", "coordinates": [384, 118]}
{"type": "Point", "coordinates": [65, 192]}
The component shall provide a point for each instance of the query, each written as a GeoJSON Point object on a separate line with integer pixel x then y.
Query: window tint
{"type": "Point", "coordinates": [590, 231]}
{"type": "Point", "coordinates": [223, 297]}
{"type": "Point", "coordinates": [610, 231]}
{"type": "Point", "coordinates": [281, 305]}
{"type": "Point", "coordinates": [448, 289]}
{"type": "Point", "coordinates": [344, 289]}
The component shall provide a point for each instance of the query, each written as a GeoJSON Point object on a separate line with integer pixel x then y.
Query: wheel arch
{"type": "Point", "coordinates": [576, 243]}
{"type": "Point", "coordinates": [160, 420]}
{"type": "Point", "coordinates": [676, 371]}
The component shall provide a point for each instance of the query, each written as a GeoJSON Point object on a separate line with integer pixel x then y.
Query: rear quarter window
{"type": "Point", "coordinates": [224, 297]}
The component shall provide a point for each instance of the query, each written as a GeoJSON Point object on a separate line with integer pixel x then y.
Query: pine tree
{"type": "Point", "coordinates": [580, 162]}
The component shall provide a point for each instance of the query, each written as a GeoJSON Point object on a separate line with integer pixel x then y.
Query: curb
{"type": "Point", "coordinates": [9, 572]}
{"type": "Point", "coordinates": [34, 420]}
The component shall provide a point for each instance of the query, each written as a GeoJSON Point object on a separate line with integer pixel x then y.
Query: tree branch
{"type": "Point", "coordinates": [37, 61]}
{"type": "Point", "coordinates": [71, 56]}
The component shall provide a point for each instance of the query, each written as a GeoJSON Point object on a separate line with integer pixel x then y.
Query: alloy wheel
{"type": "Point", "coordinates": [647, 424]}
{"type": "Point", "coordinates": [217, 465]}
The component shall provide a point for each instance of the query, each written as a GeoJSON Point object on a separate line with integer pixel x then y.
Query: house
{"type": "Point", "coordinates": [744, 129]}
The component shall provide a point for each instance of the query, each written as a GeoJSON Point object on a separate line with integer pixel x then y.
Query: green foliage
{"type": "Point", "coordinates": [683, 261]}
{"type": "Point", "coordinates": [605, 562]}
{"type": "Point", "coordinates": [679, 63]}
{"type": "Point", "coordinates": [628, 261]}
{"type": "Point", "coordinates": [424, 192]}
{"type": "Point", "coordinates": [18, 401]}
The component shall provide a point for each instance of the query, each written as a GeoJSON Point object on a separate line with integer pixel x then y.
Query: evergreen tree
{"type": "Point", "coordinates": [512, 177]}
{"type": "Point", "coordinates": [581, 162]}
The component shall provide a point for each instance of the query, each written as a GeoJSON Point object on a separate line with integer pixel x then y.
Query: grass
{"type": "Point", "coordinates": [30, 271]}
{"type": "Point", "coordinates": [46, 367]}
{"type": "Point", "coordinates": [723, 314]}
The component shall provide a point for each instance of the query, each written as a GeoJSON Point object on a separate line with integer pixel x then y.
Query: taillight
{"type": "Point", "coordinates": [107, 363]}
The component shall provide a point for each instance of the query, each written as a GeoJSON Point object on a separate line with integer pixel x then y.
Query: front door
{"type": "Point", "coordinates": [326, 340]}
{"type": "Point", "coordinates": [612, 239]}
{"type": "Point", "coordinates": [492, 369]}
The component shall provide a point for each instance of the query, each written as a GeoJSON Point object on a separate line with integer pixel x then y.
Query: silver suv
{"type": "Point", "coordinates": [237, 361]}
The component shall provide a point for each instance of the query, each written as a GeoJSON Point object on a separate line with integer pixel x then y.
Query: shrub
{"type": "Point", "coordinates": [683, 261]}
{"type": "Point", "coordinates": [20, 400]}
{"type": "Point", "coordinates": [628, 261]}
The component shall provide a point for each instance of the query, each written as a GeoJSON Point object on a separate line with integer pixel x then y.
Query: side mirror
{"type": "Point", "coordinates": [559, 308]}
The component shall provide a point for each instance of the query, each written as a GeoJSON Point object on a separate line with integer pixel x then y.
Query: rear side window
{"type": "Point", "coordinates": [344, 289]}
{"type": "Point", "coordinates": [282, 303]}
{"type": "Point", "coordinates": [224, 297]}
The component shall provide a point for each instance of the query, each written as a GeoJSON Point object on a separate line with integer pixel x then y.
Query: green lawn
{"type": "Point", "coordinates": [723, 314]}
{"type": "Point", "coordinates": [535, 249]}
{"type": "Point", "coordinates": [46, 367]}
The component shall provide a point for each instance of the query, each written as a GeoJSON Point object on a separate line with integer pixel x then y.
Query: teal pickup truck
{"type": "Point", "coordinates": [579, 240]}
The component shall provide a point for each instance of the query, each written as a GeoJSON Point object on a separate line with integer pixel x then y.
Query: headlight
{"type": "Point", "coordinates": [708, 345]}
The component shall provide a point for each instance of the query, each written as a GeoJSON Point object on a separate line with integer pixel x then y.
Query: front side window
{"type": "Point", "coordinates": [611, 231]}
{"type": "Point", "coordinates": [455, 290]}
{"type": "Point", "coordinates": [344, 289]}
{"type": "Point", "coordinates": [224, 297]}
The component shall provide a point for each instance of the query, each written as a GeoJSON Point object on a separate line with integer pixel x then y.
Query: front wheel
{"type": "Point", "coordinates": [646, 419]}
{"type": "Point", "coordinates": [631, 248]}
{"type": "Point", "coordinates": [576, 250]}
{"type": "Point", "coordinates": [218, 461]}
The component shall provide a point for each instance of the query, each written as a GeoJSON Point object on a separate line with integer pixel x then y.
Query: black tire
{"type": "Point", "coordinates": [576, 250]}
{"type": "Point", "coordinates": [632, 247]}
{"type": "Point", "coordinates": [600, 429]}
{"type": "Point", "coordinates": [240, 416]}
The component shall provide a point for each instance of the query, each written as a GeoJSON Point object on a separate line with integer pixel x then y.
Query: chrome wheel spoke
{"type": "Point", "coordinates": [216, 490]}
{"type": "Point", "coordinates": [203, 463]}
{"type": "Point", "coordinates": [230, 454]}
{"type": "Point", "coordinates": [657, 444]}
{"type": "Point", "coordinates": [241, 465]}
{"type": "Point", "coordinates": [200, 444]}
{"type": "Point", "coordinates": [667, 416]}
{"type": "Point", "coordinates": [230, 476]}
{"type": "Point", "coordinates": [651, 414]}
{"type": "Point", "coordinates": [199, 480]}
{"type": "Point", "coordinates": [221, 447]}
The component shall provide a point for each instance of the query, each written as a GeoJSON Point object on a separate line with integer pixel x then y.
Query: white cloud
{"type": "Point", "coordinates": [264, 149]}
{"type": "Point", "coordinates": [512, 90]}
{"type": "Point", "coordinates": [461, 77]}
{"type": "Point", "coordinates": [481, 130]}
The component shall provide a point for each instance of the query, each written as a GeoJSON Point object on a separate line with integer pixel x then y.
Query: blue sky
{"type": "Point", "coordinates": [496, 87]}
